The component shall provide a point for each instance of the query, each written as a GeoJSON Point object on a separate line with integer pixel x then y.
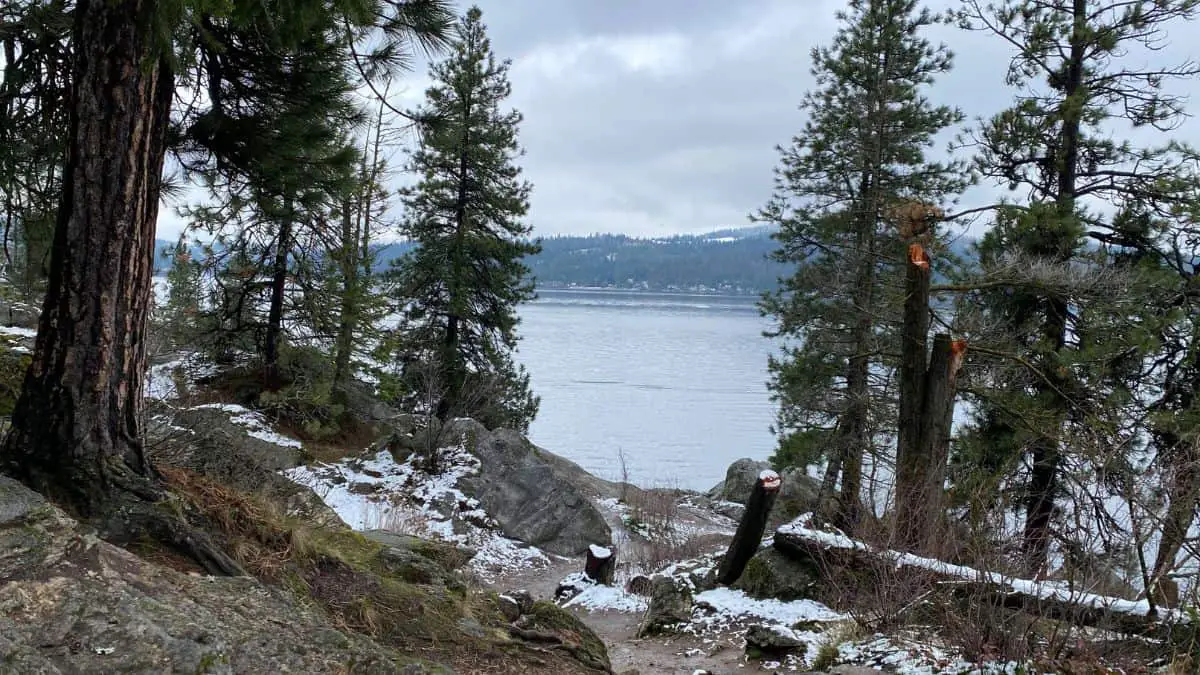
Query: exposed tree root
{"type": "Point", "coordinates": [140, 508]}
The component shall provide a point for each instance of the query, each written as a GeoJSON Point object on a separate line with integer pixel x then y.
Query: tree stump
{"type": "Point", "coordinates": [750, 530]}
{"type": "Point", "coordinates": [601, 564]}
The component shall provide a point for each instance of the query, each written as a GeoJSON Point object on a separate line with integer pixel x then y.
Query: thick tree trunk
{"type": "Point", "coordinates": [279, 274]}
{"type": "Point", "coordinates": [911, 451]}
{"type": "Point", "coordinates": [76, 429]}
{"type": "Point", "coordinates": [937, 417]}
{"type": "Point", "coordinates": [750, 530]}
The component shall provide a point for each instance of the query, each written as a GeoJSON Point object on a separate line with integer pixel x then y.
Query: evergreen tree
{"type": "Point", "coordinates": [861, 153]}
{"type": "Point", "coordinates": [463, 281]}
{"type": "Point", "coordinates": [76, 431]}
{"type": "Point", "coordinates": [33, 123]}
{"type": "Point", "coordinates": [1056, 146]}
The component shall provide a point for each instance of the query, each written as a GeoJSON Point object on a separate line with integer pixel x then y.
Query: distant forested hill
{"type": "Point", "coordinates": [733, 261]}
{"type": "Point", "coordinates": [729, 261]}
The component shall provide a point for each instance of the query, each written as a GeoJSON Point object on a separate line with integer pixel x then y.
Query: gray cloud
{"type": "Point", "coordinates": [662, 117]}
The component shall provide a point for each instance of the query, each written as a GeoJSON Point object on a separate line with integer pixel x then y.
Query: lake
{"type": "Point", "coordinates": [675, 382]}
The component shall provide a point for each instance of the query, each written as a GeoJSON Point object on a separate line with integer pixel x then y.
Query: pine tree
{"type": "Point", "coordinates": [76, 430]}
{"type": "Point", "coordinates": [862, 152]}
{"type": "Point", "coordinates": [464, 280]}
{"type": "Point", "coordinates": [1056, 146]}
{"type": "Point", "coordinates": [33, 122]}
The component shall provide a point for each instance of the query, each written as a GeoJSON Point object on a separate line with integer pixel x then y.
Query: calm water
{"type": "Point", "coordinates": [676, 382]}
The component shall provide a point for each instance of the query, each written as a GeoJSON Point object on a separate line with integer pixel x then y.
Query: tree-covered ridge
{"type": "Point", "coordinates": [734, 260]}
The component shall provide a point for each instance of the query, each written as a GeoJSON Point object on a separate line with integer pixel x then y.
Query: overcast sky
{"type": "Point", "coordinates": [654, 118]}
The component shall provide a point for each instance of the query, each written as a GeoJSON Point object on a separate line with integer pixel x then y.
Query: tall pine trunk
{"type": "Point", "coordinates": [911, 453]}
{"type": "Point", "coordinates": [1046, 454]}
{"type": "Point", "coordinates": [854, 424]}
{"type": "Point", "coordinates": [348, 316]}
{"type": "Point", "coordinates": [279, 274]}
{"type": "Point", "coordinates": [76, 430]}
{"type": "Point", "coordinates": [453, 376]}
{"type": "Point", "coordinates": [76, 433]}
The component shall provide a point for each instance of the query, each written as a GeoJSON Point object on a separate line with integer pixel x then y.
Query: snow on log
{"type": "Point", "coordinates": [750, 530]}
{"type": "Point", "coordinates": [1050, 599]}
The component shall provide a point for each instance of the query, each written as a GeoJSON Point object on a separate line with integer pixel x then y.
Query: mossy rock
{"type": "Point", "coordinates": [12, 376]}
{"type": "Point", "coordinates": [771, 574]}
{"type": "Point", "coordinates": [549, 617]}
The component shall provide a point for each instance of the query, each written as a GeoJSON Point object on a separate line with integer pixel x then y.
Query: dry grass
{"type": "Point", "coordinates": [345, 575]}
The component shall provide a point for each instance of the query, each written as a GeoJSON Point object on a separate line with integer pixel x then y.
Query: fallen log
{"type": "Point", "coordinates": [750, 530]}
{"type": "Point", "coordinates": [1048, 599]}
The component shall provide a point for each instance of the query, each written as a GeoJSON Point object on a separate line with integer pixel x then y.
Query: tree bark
{"type": "Point", "coordinates": [278, 294]}
{"type": "Point", "coordinates": [348, 315]}
{"type": "Point", "coordinates": [1043, 484]}
{"type": "Point", "coordinates": [76, 431]}
{"type": "Point", "coordinates": [937, 417]}
{"type": "Point", "coordinates": [750, 530]}
{"type": "Point", "coordinates": [911, 452]}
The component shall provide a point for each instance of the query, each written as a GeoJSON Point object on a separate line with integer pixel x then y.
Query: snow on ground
{"type": "Point", "coordinates": [255, 424]}
{"type": "Point", "coordinates": [1050, 590]}
{"type": "Point", "coordinates": [600, 598]}
{"type": "Point", "coordinates": [18, 331]}
{"type": "Point", "coordinates": [911, 656]}
{"type": "Point", "coordinates": [161, 380]}
{"type": "Point", "coordinates": [377, 492]}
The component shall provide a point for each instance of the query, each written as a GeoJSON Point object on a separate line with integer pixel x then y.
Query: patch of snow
{"type": "Point", "coordinates": [377, 492]}
{"type": "Point", "coordinates": [255, 424]}
{"type": "Point", "coordinates": [601, 598]}
{"type": "Point", "coordinates": [600, 551]}
{"type": "Point", "coordinates": [727, 602]}
{"type": "Point", "coordinates": [905, 656]}
{"type": "Point", "coordinates": [18, 331]}
{"type": "Point", "coordinates": [161, 379]}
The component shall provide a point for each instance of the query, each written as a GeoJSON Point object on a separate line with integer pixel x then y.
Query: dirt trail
{"type": "Point", "coordinates": [666, 655]}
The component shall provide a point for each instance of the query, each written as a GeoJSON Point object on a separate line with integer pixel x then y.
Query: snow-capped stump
{"type": "Point", "coordinates": [600, 565]}
{"type": "Point", "coordinates": [750, 530]}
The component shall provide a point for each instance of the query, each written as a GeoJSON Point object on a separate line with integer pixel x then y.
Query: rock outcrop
{"type": "Point", "coordinates": [528, 494]}
{"type": "Point", "coordinates": [206, 442]}
{"type": "Point", "coordinates": [70, 603]}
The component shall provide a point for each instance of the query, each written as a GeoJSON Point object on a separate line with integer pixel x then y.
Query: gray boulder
{"type": "Point", "coordinates": [770, 639]}
{"type": "Point", "coordinates": [739, 480]}
{"type": "Point", "coordinates": [270, 456]}
{"type": "Point", "coordinates": [70, 603]}
{"type": "Point", "coordinates": [527, 494]}
{"type": "Point", "coordinates": [798, 493]}
{"type": "Point", "coordinates": [670, 606]}
{"type": "Point", "coordinates": [771, 574]}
